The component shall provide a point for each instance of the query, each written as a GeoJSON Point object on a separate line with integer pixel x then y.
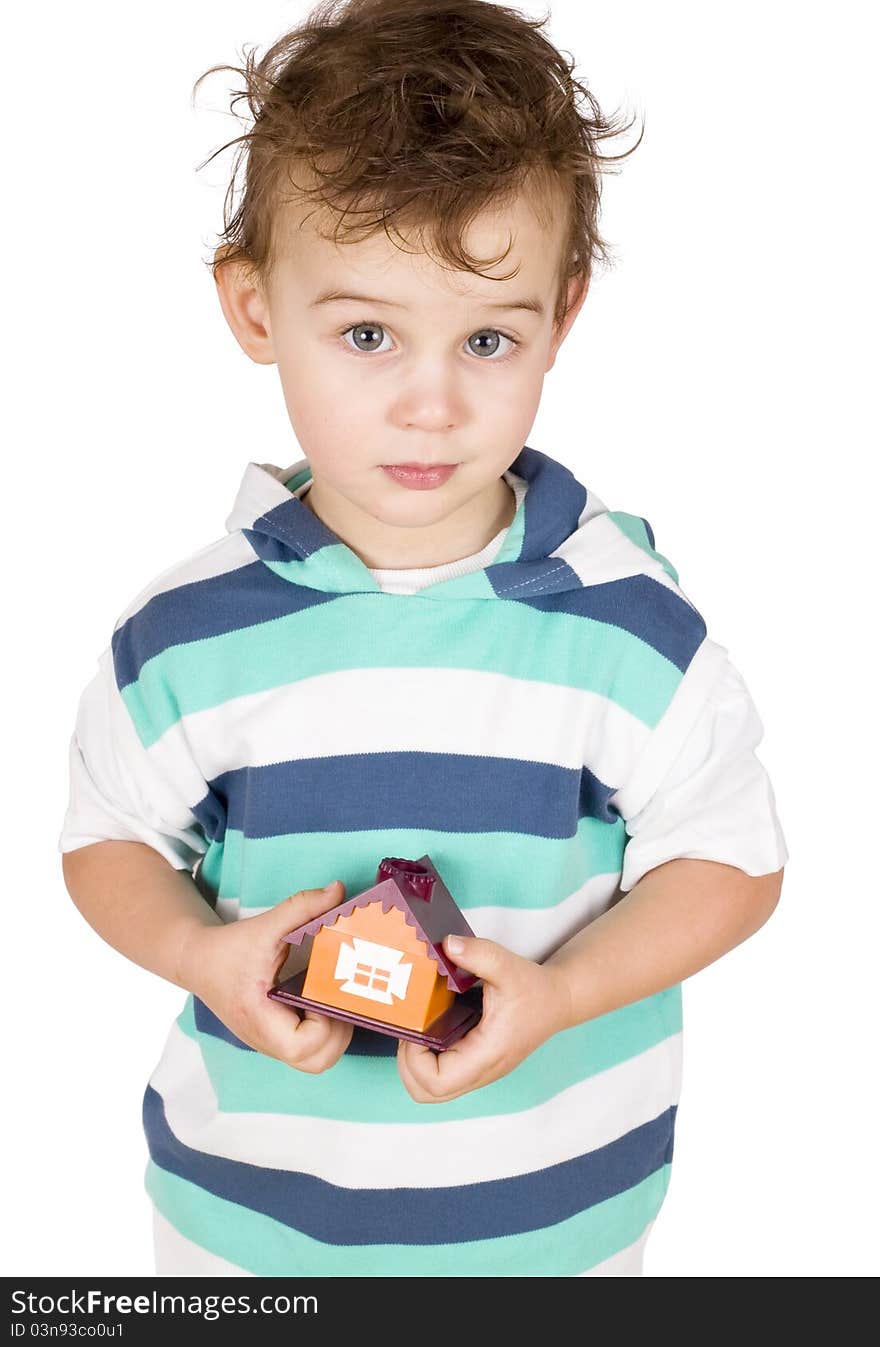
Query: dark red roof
{"type": "Point", "coordinates": [417, 890]}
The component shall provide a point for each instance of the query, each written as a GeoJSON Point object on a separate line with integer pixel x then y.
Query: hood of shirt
{"type": "Point", "coordinates": [562, 537]}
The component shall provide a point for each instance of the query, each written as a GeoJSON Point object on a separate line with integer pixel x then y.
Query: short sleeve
{"type": "Point", "coordinates": [716, 801]}
{"type": "Point", "coordinates": [118, 789]}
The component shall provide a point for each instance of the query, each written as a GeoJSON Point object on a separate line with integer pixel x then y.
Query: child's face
{"type": "Point", "coordinates": [423, 369]}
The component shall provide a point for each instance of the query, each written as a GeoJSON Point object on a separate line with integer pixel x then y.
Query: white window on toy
{"type": "Point", "coordinates": [372, 971]}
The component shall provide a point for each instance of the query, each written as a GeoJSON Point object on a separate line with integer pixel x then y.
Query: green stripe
{"type": "Point", "coordinates": [222, 864]}
{"type": "Point", "coordinates": [344, 633]}
{"type": "Point", "coordinates": [334, 568]}
{"type": "Point", "coordinates": [267, 1248]}
{"type": "Point", "coordinates": [298, 478]}
{"type": "Point", "coordinates": [511, 548]}
{"type": "Point", "coordinates": [635, 530]}
{"type": "Point", "coordinates": [504, 869]}
{"type": "Point", "coordinates": [360, 1089]}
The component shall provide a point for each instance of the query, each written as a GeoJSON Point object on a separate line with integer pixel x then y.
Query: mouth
{"type": "Point", "coordinates": [421, 476]}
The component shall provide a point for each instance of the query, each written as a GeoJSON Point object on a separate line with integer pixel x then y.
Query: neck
{"type": "Point", "coordinates": [411, 549]}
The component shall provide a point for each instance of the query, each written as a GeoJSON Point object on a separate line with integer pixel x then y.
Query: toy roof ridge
{"type": "Point", "coordinates": [432, 920]}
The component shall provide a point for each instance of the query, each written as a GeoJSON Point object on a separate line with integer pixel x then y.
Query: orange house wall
{"type": "Point", "coordinates": [427, 994]}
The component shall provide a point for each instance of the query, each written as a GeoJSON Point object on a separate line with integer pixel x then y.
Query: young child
{"type": "Point", "coordinates": [423, 637]}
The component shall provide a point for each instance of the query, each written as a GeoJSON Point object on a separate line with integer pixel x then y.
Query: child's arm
{"type": "Point", "coordinates": [154, 915]}
{"type": "Point", "coordinates": [678, 918]}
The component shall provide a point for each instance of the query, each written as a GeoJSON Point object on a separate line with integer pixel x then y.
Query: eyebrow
{"type": "Point", "coordinates": [331, 296]}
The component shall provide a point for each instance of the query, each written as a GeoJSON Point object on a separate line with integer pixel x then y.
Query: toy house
{"type": "Point", "coordinates": [377, 959]}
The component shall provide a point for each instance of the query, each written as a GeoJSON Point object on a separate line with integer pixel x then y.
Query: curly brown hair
{"type": "Point", "coordinates": [416, 114]}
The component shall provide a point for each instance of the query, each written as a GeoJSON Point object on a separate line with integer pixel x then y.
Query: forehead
{"type": "Point", "coordinates": [408, 270]}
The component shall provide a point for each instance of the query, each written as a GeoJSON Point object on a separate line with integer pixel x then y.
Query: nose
{"type": "Point", "coordinates": [428, 398]}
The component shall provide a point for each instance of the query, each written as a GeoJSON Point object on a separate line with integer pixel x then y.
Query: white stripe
{"type": "Point", "coordinates": [116, 788]}
{"type": "Point", "coordinates": [262, 489]}
{"type": "Point", "coordinates": [218, 558]}
{"type": "Point", "coordinates": [533, 933]}
{"type": "Point", "coordinates": [400, 709]}
{"type": "Point", "coordinates": [603, 553]}
{"type": "Point", "coordinates": [671, 731]}
{"type": "Point", "coordinates": [177, 1256]}
{"type": "Point", "coordinates": [626, 1263]}
{"type": "Point", "coordinates": [575, 1121]}
{"type": "Point", "coordinates": [594, 506]}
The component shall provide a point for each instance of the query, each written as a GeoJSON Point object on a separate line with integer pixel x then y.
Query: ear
{"type": "Point", "coordinates": [577, 293]}
{"type": "Point", "coordinates": [245, 307]}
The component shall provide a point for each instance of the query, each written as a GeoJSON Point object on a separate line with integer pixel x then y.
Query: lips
{"type": "Point", "coordinates": [420, 476]}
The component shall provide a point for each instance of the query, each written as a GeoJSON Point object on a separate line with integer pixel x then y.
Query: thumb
{"type": "Point", "coordinates": [301, 907]}
{"type": "Point", "coordinates": [484, 958]}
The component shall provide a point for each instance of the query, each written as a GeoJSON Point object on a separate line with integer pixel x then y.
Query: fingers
{"type": "Point", "coordinates": [311, 1043]}
{"type": "Point", "coordinates": [334, 1040]}
{"type": "Point", "coordinates": [239, 963]}
{"type": "Point", "coordinates": [433, 1078]}
{"type": "Point", "coordinates": [484, 958]}
{"type": "Point", "coordinates": [302, 907]}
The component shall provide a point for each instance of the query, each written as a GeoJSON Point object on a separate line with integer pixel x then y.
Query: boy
{"type": "Point", "coordinates": [425, 636]}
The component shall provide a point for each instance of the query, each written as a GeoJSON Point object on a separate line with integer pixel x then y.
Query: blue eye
{"type": "Point", "coordinates": [368, 337]}
{"type": "Point", "coordinates": [493, 335]}
{"type": "Point", "coordinates": [374, 333]}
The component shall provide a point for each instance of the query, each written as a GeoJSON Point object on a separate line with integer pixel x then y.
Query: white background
{"type": "Point", "coordinates": [716, 382]}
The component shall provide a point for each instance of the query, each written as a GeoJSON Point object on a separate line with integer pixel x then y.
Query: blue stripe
{"type": "Point", "coordinates": [449, 792]}
{"type": "Point", "coordinates": [449, 1215]}
{"type": "Point", "coordinates": [637, 604]}
{"type": "Point", "coordinates": [245, 597]}
{"type": "Point", "coordinates": [254, 594]}
{"type": "Point", "coordinates": [520, 580]}
{"type": "Point", "coordinates": [296, 527]}
{"type": "Point", "coordinates": [554, 502]}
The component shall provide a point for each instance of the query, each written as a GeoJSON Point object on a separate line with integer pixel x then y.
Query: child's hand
{"type": "Point", "coordinates": [524, 1003]}
{"type": "Point", "coordinates": [231, 968]}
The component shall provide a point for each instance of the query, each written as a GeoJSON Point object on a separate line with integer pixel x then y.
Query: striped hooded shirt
{"type": "Point", "coordinates": [270, 714]}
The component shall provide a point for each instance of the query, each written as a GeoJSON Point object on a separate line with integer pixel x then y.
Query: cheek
{"type": "Point", "coordinates": [321, 418]}
{"type": "Point", "coordinates": [326, 432]}
{"type": "Point", "coordinates": [517, 403]}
